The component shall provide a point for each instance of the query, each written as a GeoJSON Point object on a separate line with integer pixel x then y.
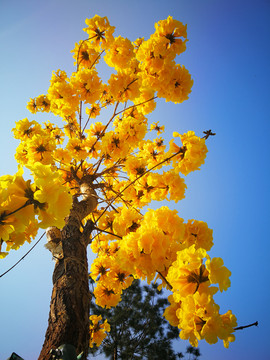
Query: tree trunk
{"type": "Point", "coordinates": [70, 302]}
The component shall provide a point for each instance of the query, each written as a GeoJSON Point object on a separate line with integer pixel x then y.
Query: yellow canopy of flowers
{"type": "Point", "coordinates": [127, 166]}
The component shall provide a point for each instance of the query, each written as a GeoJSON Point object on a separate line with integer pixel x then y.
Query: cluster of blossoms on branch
{"type": "Point", "coordinates": [126, 163]}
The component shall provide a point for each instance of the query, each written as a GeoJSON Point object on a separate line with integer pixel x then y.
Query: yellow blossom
{"type": "Point", "coordinates": [100, 32]}
{"type": "Point", "coordinates": [218, 274]}
{"type": "Point", "coordinates": [98, 330]}
{"type": "Point", "coordinates": [159, 129]}
{"type": "Point", "coordinates": [172, 31]}
{"type": "Point", "coordinates": [124, 86]}
{"type": "Point", "coordinates": [99, 268]}
{"type": "Point", "coordinates": [105, 295]}
{"type": "Point", "coordinates": [191, 155]}
{"type": "Point", "coordinates": [87, 84]}
{"type": "Point", "coordinates": [56, 199]}
{"type": "Point", "coordinates": [26, 129]}
{"type": "Point", "coordinates": [187, 273]}
{"type": "Point", "coordinates": [119, 54]}
{"type": "Point", "coordinates": [198, 233]}
{"type": "Point", "coordinates": [40, 149]}
{"type": "Point", "coordinates": [94, 111]}
{"type": "Point", "coordinates": [85, 55]}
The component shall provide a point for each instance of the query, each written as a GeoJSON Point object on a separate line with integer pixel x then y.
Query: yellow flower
{"type": "Point", "coordinates": [137, 43]}
{"type": "Point", "coordinates": [100, 32]}
{"type": "Point", "coordinates": [55, 199]}
{"type": "Point", "coordinates": [62, 95]}
{"type": "Point", "coordinates": [145, 101]}
{"type": "Point", "coordinates": [120, 279]}
{"type": "Point", "coordinates": [55, 132]}
{"type": "Point", "coordinates": [229, 323]}
{"type": "Point", "coordinates": [126, 220]}
{"type": "Point", "coordinates": [3, 254]}
{"type": "Point", "coordinates": [133, 129]}
{"type": "Point", "coordinates": [153, 246]}
{"type": "Point", "coordinates": [218, 274]}
{"type": "Point", "coordinates": [199, 318]}
{"type": "Point", "coordinates": [156, 127]}
{"type": "Point", "coordinates": [85, 55]}
{"type": "Point", "coordinates": [191, 155]}
{"type": "Point", "coordinates": [119, 54]}
{"type": "Point", "coordinates": [135, 167]}
{"type": "Point", "coordinates": [43, 103]}
{"type": "Point", "coordinates": [100, 267]}
{"type": "Point", "coordinates": [172, 31]}
{"type": "Point", "coordinates": [198, 233]}
{"type": "Point", "coordinates": [178, 85]}
{"type": "Point", "coordinates": [77, 149]}
{"type": "Point", "coordinates": [98, 330]}
{"type": "Point", "coordinates": [72, 129]}
{"type": "Point", "coordinates": [114, 147]}
{"type": "Point", "coordinates": [6, 227]}
{"type": "Point", "coordinates": [187, 273]}
{"type": "Point", "coordinates": [25, 129]}
{"type": "Point", "coordinates": [189, 323]}
{"type": "Point", "coordinates": [124, 86]}
{"type": "Point", "coordinates": [40, 149]}
{"type": "Point", "coordinates": [171, 310]}
{"type": "Point", "coordinates": [105, 295]}
{"type": "Point", "coordinates": [96, 129]}
{"type": "Point", "coordinates": [62, 156]}
{"type": "Point", "coordinates": [169, 183]}
{"type": "Point", "coordinates": [16, 210]}
{"type": "Point", "coordinates": [32, 106]}
{"type": "Point", "coordinates": [87, 84]}
{"type": "Point", "coordinates": [94, 111]}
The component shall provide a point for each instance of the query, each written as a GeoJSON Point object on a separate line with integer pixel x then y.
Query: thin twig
{"type": "Point", "coordinates": [107, 232]}
{"type": "Point", "coordinates": [14, 211]}
{"type": "Point", "coordinates": [246, 326]}
{"type": "Point", "coordinates": [13, 266]}
{"type": "Point", "coordinates": [164, 279]}
{"type": "Point", "coordinates": [136, 105]}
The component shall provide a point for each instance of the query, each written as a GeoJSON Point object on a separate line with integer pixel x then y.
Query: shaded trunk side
{"type": "Point", "coordinates": [70, 301]}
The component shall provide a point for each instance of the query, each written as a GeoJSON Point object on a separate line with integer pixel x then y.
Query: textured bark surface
{"type": "Point", "coordinates": [70, 302]}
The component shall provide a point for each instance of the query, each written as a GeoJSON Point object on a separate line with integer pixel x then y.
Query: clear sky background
{"type": "Point", "coordinates": [228, 57]}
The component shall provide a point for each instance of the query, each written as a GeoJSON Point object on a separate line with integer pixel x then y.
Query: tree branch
{"type": "Point", "coordinates": [246, 326]}
{"type": "Point", "coordinates": [13, 266]}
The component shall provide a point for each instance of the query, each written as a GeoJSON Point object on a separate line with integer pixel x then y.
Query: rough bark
{"type": "Point", "coordinates": [70, 301]}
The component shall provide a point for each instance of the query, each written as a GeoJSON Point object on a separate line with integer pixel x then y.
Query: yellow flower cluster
{"type": "Point", "coordinates": [26, 207]}
{"type": "Point", "coordinates": [198, 318]}
{"type": "Point", "coordinates": [98, 330]}
{"type": "Point", "coordinates": [156, 55]}
{"type": "Point", "coordinates": [192, 301]}
{"type": "Point", "coordinates": [160, 245]}
{"type": "Point", "coordinates": [110, 275]}
{"type": "Point", "coordinates": [143, 69]}
{"type": "Point", "coordinates": [127, 167]}
{"type": "Point", "coordinates": [191, 154]}
{"type": "Point", "coordinates": [100, 32]}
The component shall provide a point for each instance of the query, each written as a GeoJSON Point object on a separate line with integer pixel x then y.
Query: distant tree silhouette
{"type": "Point", "coordinates": [194, 352]}
{"type": "Point", "coordinates": [138, 328]}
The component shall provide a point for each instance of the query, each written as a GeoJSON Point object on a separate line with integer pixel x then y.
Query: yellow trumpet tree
{"type": "Point", "coordinates": [93, 179]}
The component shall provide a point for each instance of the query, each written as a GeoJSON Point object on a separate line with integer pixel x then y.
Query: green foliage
{"type": "Point", "coordinates": [138, 328]}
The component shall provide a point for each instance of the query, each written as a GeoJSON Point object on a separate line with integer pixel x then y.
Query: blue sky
{"type": "Point", "coordinates": [228, 56]}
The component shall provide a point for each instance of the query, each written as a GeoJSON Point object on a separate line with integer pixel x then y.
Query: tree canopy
{"type": "Point", "coordinates": [93, 179]}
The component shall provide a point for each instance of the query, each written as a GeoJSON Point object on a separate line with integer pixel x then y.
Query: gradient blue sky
{"type": "Point", "coordinates": [228, 57]}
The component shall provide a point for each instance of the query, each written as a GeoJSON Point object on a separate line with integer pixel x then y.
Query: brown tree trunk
{"type": "Point", "coordinates": [70, 302]}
